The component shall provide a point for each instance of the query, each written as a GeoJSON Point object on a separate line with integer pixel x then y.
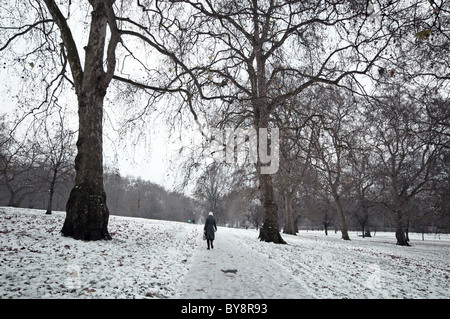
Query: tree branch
{"type": "Point", "coordinates": [69, 43]}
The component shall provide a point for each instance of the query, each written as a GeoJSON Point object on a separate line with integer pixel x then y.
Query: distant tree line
{"type": "Point", "coordinates": [348, 162]}
{"type": "Point", "coordinates": [38, 173]}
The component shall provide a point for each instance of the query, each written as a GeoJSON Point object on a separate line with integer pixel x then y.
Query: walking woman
{"type": "Point", "coordinates": [209, 229]}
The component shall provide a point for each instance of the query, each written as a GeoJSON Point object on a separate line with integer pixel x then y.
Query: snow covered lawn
{"type": "Point", "coordinates": [161, 259]}
{"type": "Point", "coordinates": [144, 259]}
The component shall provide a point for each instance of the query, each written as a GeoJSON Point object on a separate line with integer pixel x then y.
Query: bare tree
{"type": "Point", "coordinates": [57, 145]}
{"type": "Point", "coordinates": [332, 142]}
{"type": "Point", "coordinates": [254, 214]}
{"type": "Point", "coordinates": [293, 173]}
{"type": "Point", "coordinates": [87, 213]}
{"type": "Point", "coordinates": [53, 29]}
{"type": "Point", "coordinates": [21, 165]}
{"type": "Point", "coordinates": [211, 187]}
{"type": "Point", "coordinates": [362, 175]}
{"type": "Point", "coordinates": [406, 151]}
{"type": "Point", "coordinates": [251, 48]}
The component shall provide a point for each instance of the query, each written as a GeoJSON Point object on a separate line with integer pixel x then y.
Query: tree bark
{"type": "Point", "coordinates": [367, 231]}
{"type": "Point", "coordinates": [341, 215]}
{"type": "Point", "coordinates": [269, 231]}
{"type": "Point", "coordinates": [52, 190]}
{"type": "Point", "coordinates": [400, 233]}
{"type": "Point", "coordinates": [288, 216]}
{"type": "Point", "coordinates": [86, 212]}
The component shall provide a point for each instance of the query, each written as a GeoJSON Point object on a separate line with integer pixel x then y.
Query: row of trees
{"type": "Point", "coordinates": [381, 162]}
{"type": "Point", "coordinates": [139, 198]}
{"type": "Point", "coordinates": [353, 86]}
{"type": "Point", "coordinates": [39, 173]}
{"type": "Point", "coordinates": [34, 166]}
{"type": "Point", "coordinates": [227, 63]}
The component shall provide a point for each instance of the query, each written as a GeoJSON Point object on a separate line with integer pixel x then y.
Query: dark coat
{"type": "Point", "coordinates": [210, 226]}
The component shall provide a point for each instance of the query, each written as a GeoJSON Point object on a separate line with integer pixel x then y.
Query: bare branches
{"type": "Point", "coordinates": [27, 28]}
{"type": "Point", "coordinates": [69, 43]}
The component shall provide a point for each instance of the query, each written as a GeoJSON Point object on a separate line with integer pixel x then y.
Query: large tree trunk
{"type": "Point", "coordinates": [288, 216]}
{"type": "Point", "coordinates": [269, 231]}
{"type": "Point", "coordinates": [86, 212]}
{"type": "Point", "coordinates": [367, 231]}
{"type": "Point", "coordinates": [400, 204]}
{"type": "Point", "coordinates": [400, 233]}
{"type": "Point", "coordinates": [341, 215]}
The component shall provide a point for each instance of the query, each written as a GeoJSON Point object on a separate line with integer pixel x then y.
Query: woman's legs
{"type": "Point", "coordinates": [210, 243]}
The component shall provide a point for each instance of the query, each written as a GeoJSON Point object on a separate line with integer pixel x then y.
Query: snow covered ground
{"type": "Point", "coordinates": [161, 259]}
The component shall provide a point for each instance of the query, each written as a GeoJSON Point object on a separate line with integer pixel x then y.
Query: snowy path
{"type": "Point", "coordinates": [257, 275]}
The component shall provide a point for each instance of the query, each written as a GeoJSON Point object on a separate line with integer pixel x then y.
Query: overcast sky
{"type": "Point", "coordinates": [148, 159]}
